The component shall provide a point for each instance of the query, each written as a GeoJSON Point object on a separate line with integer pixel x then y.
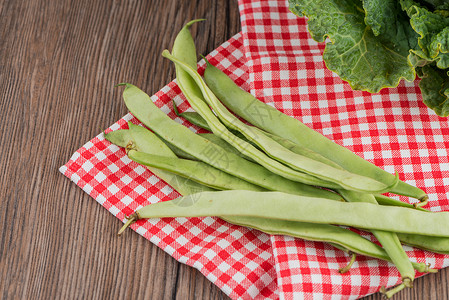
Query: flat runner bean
{"type": "Point", "coordinates": [123, 138]}
{"type": "Point", "coordinates": [389, 240]}
{"type": "Point", "coordinates": [429, 243]}
{"type": "Point", "coordinates": [196, 170]}
{"type": "Point", "coordinates": [225, 145]}
{"type": "Point", "coordinates": [381, 199]}
{"type": "Point", "coordinates": [197, 120]}
{"type": "Point", "coordinates": [143, 140]}
{"type": "Point", "coordinates": [141, 106]}
{"type": "Point", "coordinates": [334, 235]}
{"type": "Point", "coordinates": [192, 117]}
{"type": "Point", "coordinates": [328, 165]}
{"type": "Point", "coordinates": [300, 163]}
{"type": "Point", "coordinates": [337, 236]}
{"type": "Point", "coordinates": [158, 156]}
{"type": "Point", "coordinates": [184, 49]}
{"type": "Point", "coordinates": [270, 119]}
{"type": "Point", "coordinates": [277, 205]}
{"type": "Point", "coordinates": [179, 152]}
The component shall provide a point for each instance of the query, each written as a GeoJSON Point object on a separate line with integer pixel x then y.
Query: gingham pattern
{"type": "Point", "coordinates": [392, 129]}
{"type": "Point", "coordinates": [238, 260]}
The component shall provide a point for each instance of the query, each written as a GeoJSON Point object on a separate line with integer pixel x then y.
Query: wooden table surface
{"type": "Point", "coordinates": [59, 61]}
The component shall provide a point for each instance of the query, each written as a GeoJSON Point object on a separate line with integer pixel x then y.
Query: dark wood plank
{"type": "Point", "coordinates": [59, 61]}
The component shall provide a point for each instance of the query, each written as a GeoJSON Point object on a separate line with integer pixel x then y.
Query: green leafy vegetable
{"type": "Point", "coordinates": [366, 61]}
{"type": "Point", "coordinates": [433, 30]}
{"type": "Point", "coordinates": [435, 4]}
{"type": "Point", "coordinates": [374, 44]}
{"type": "Point", "coordinates": [435, 88]}
{"type": "Point", "coordinates": [381, 15]}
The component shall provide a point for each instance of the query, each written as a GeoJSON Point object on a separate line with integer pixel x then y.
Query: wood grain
{"type": "Point", "coordinates": [59, 61]}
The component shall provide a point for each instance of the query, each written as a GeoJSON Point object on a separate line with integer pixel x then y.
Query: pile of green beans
{"type": "Point", "coordinates": [279, 177]}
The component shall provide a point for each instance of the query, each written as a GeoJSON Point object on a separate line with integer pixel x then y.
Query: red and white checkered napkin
{"type": "Point", "coordinates": [238, 260]}
{"type": "Point", "coordinates": [393, 129]}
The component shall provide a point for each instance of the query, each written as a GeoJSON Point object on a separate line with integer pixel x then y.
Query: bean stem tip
{"type": "Point", "coordinates": [190, 23]}
{"type": "Point", "coordinates": [129, 147]}
{"type": "Point", "coordinates": [206, 60]}
{"type": "Point", "coordinates": [430, 270]}
{"type": "Point", "coordinates": [349, 265]}
{"type": "Point", "coordinates": [130, 220]}
{"type": "Point", "coordinates": [166, 54]}
{"type": "Point", "coordinates": [121, 84]}
{"type": "Point", "coordinates": [422, 201]}
{"type": "Point", "coordinates": [388, 294]}
{"type": "Point", "coordinates": [175, 108]}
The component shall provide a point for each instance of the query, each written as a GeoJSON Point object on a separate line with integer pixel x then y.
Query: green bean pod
{"type": "Point", "coordinates": [270, 119]}
{"type": "Point", "coordinates": [389, 240]}
{"type": "Point", "coordinates": [143, 140]}
{"type": "Point", "coordinates": [141, 106]}
{"type": "Point", "coordinates": [277, 205]}
{"type": "Point", "coordinates": [192, 117]}
{"type": "Point", "coordinates": [387, 201]}
{"type": "Point", "coordinates": [196, 119]}
{"type": "Point", "coordinates": [184, 50]}
{"type": "Point", "coordinates": [223, 144]}
{"type": "Point", "coordinates": [381, 199]}
{"type": "Point", "coordinates": [123, 138]}
{"type": "Point", "coordinates": [193, 170]}
{"type": "Point", "coordinates": [429, 243]}
{"type": "Point", "coordinates": [305, 165]}
{"type": "Point", "coordinates": [334, 235]}
{"type": "Point", "coordinates": [178, 152]}
{"type": "Point", "coordinates": [213, 139]}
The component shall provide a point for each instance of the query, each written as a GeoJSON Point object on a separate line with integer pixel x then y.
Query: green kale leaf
{"type": "Point", "coordinates": [366, 61]}
{"type": "Point", "coordinates": [433, 30]}
{"type": "Point", "coordinates": [374, 44]}
{"type": "Point", "coordinates": [381, 15]}
{"type": "Point", "coordinates": [434, 87]}
{"type": "Point", "coordinates": [435, 4]}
